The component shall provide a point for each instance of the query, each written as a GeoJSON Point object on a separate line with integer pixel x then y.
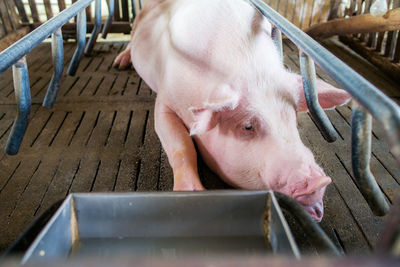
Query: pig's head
{"type": "Point", "coordinates": [251, 139]}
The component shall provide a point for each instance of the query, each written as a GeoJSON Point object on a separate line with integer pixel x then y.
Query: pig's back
{"type": "Point", "coordinates": [183, 45]}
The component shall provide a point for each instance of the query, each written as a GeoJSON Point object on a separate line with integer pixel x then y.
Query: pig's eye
{"type": "Point", "coordinates": [248, 127]}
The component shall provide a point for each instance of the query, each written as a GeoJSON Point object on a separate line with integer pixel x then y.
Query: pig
{"type": "Point", "coordinates": [220, 81]}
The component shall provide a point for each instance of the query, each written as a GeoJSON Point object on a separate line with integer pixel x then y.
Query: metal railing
{"type": "Point", "coordinates": [15, 56]}
{"type": "Point", "coordinates": [369, 101]}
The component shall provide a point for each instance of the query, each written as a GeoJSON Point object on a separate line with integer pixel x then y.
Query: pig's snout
{"type": "Point", "coordinates": [316, 210]}
{"type": "Point", "coordinates": [311, 198]}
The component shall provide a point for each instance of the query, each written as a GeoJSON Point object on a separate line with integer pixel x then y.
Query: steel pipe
{"type": "Point", "coordinates": [361, 124]}
{"type": "Point", "coordinates": [57, 50]}
{"type": "Point", "coordinates": [133, 9]}
{"type": "Point", "coordinates": [23, 46]}
{"type": "Point", "coordinates": [81, 39]}
{"type": "Point", "coordinates": [23, 98]}
{"type": "Point", "coordinates": [107, 25]}
{"type": "Point", "coordinates": [276, 36]}
{"type": "Point", "coordinates": [322, 121]}
{"type": "Point", "coordinates": [96, 29]}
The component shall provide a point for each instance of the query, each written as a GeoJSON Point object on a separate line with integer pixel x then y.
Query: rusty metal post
{"type": "Point", "coordinates": [311, 94]}
{"type": "Point", "coordinates": [23, 98]}
{"type": "Point", "coordinates": [81, 39]}
{"type": "Point", "coordinates": [96, 29]}
{"type": "Point", "coordinates": [57, 50]}
{"type": "Point", "coordinates": [361, 124]}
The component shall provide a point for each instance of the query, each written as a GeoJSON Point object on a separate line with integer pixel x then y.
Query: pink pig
{"type": "Point", "coordinates": [220, 80]}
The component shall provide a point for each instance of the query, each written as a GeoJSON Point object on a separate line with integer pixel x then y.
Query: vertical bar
{"type": "Point", "coordinates": [89, 13]}
{"type": "Point", "coordinates": [5, 19]}
{"type": "Point", "coordinates": [49, 11]}
{"type": "Point", "coordinates": [140, 5]}
{"type": "Point", "coordinates": [361, 123]}
{"type": "Point", "coordinates": [107, 25]}
{"type": "Point", "coordinates": [379, 42]}
{"type": "Point", "coordinates": [116, 13]}
{"type": "Point", "coordinates": [61, 5]}
{"type": "Point", "coordinates": [317, 113]}
{"type": "Point", "coordinates": [133, 10]}
{"type": "Point", "coordinates": [276, 36]}
{"type": "Point", "coordinates": [396, 56]}
{"type": "Point", "coordinates": [96, 29]}
{"type": "Point", "coordinates": [23, 98]}
{"type": "Point", "coordinates": [34, 12]}
{"type": "Point", "coordinates": [21, 11]}
{"type": "Point", "coordinates": [58, 62]}
{"type": "Point", "coordinates": [81, 36]}
{"type": "Point", "coordinates": [12, 14]}
{"type": "Point", "coordinates": [334, 9]}
{"type": "Point", "coordinates": [389, 44]}
{"type": "Point", "coordinates": [125, 10]}
{"type": "Point", "coordinates": [364, 36]}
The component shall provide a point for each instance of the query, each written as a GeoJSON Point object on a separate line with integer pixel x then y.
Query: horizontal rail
{"type": "Point", "coordinates": [371, 100]}
{"type": "Point", "coordinates": [23, 46]}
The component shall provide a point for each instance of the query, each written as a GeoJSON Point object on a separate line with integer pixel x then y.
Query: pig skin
{"type": "Point", "coordinates": [219, 80]}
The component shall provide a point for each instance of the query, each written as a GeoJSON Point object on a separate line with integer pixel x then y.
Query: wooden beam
{"type": "Point", "coordinates": [116, 11]}
{"type": "Point", "coordinates": [14, 17]}
{"type": "Point", "coordinates": [125, 10]}
{"type": "Point", "coordinates": [396, 57]}
{"type": "Point", "coordinates": [333, 10]}
{"type": "Point", "coordinates": [21, 10]}
{"type": "Point", "coordinates": [47, 6]}
{"type": "Point", "coordinates": [34, 12]}
{"type": "Point", "coordinates": [61, 4]}
{"type": "Point", "coordinates": [8, 27]}
{"type": "Point", "coordinates": [385, 64]}
{"type": "Point", "coordinates": [13, 37]}
{"type": "Point", "coordinates": [357, 24]}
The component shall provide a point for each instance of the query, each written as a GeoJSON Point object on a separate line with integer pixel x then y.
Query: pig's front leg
{"type": "Point", "coordinates": [179, 147]}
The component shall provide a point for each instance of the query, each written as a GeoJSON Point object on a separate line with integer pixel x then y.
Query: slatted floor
{"type": "Point", "coordinates": [100, 137]}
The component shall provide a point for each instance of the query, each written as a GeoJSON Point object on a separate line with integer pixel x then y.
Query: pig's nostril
{"type": "Point", "coordinates": [318, 213]}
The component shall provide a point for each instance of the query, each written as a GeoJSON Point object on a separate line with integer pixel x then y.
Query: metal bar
{"type": "Point", "coordinates": [361, 124]}
{"type": "Point", "coordinates": [276, 36]}
{"type": "Point", "coordinates": [107, 25]}
{"type": "Point", "coordinates": [315, 234]}
{"type": "Point", "coordinates": [96, 29]}
{"type": "Point", "coordinates": [57, 50]}
{"type": "Point", "coordinates": [140, 4]}
{"type": "Point", "coordinates": [23, 46]}
{"type": "Point", "coordinates": [311, 94]}
{"type": "Point", "coordinates": [381, 107]}
{"type": "Point", "coordinates": [133, 10]}
{"type": "Point", "coordinates": [81, 39]}
{"type": "Point", "coordinates": [23, 98]}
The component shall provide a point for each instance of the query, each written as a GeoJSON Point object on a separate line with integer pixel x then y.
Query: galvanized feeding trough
{"type": "Point", "coordinates": [168, 224]}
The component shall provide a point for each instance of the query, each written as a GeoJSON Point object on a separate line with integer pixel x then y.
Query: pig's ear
{"type": "Point", "coordinates": [207, 116]}
{"type": "Point", "coordinates": [328, 96]}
